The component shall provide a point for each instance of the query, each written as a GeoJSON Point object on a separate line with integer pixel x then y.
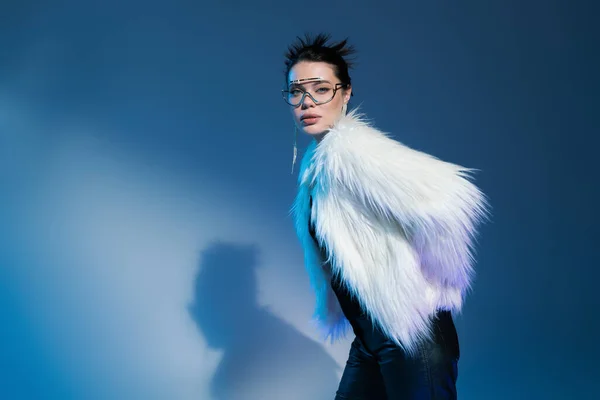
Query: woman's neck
{"type": "Point", "coordinates": [320, 136]}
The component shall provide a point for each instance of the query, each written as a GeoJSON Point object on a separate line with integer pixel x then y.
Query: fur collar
{"type": "Point", "coordinates": [397, 224]}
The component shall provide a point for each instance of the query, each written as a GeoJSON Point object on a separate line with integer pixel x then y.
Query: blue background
{"type": "Point", "coordinates": [145, 156]}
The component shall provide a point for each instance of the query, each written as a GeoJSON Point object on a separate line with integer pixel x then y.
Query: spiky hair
{"type": "Point", "coordinates": [317, 49]}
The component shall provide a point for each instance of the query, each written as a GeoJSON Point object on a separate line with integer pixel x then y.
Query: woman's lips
{"type": "Point", "coordinates": [310, 120]}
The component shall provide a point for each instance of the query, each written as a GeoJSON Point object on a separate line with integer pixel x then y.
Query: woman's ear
{"type": "Point", "coordinates": [347, 94]}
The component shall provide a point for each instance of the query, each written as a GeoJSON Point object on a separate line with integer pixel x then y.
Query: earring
{"type": "Point", "coordinates": [345, 109]}
{"type": "Point", "coordinates": [295, 147]}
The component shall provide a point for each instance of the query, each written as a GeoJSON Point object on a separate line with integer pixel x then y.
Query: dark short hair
{"type": "Point", "coordinates": [316, 49]}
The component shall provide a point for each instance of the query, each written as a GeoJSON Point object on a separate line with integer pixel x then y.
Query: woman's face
{"type": "Point", "coordinates": [316, 119]}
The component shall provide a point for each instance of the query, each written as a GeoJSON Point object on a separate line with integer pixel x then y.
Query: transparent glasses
{"type": "Point", "coordinates": [321, 92]}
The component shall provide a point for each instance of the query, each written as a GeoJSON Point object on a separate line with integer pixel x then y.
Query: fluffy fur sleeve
{"type": "Point", "coordinates": [432, 201]}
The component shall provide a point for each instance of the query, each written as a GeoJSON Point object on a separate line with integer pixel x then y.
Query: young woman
{"type": "Point", "coordinates": [387, 233]}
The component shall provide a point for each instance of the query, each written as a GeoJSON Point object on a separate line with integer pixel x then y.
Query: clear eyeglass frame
{"type": "Point", "coordinates": [286, 94]}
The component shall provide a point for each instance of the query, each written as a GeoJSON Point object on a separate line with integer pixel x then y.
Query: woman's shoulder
{"type": "Point", "coordinates": [355, 131]}
{"type": "Point", "coordinates": [355, 136]}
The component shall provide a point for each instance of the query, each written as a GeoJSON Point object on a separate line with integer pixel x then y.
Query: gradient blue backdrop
{"type": "Point", "coordinates": [144, 144]}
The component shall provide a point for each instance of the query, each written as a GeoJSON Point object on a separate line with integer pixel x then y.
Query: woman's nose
{"type": "Point", "coordinates": [307, 101]}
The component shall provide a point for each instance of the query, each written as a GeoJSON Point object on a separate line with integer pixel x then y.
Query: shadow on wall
{"type": "Point", "coordinates": [264, 358]}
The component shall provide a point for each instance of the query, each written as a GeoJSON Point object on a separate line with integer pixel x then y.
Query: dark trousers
{"type": "Point", "coordinates": [377, 369]}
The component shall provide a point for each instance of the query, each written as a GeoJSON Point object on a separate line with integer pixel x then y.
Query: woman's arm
{"type": "Point", "coordinates": [433, 201]}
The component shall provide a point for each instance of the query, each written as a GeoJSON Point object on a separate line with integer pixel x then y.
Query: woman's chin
{"type": "Point", "coordinates": [314, 130]}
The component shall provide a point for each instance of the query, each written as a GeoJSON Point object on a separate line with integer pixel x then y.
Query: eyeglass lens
{"type": "Point", "coordinates": [320, 93]}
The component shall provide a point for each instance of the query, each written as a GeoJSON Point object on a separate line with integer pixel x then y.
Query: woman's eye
{"type": "Point", "coordinates": [322, 90]}
{"type": "Point", "coordinates": [295, 92]}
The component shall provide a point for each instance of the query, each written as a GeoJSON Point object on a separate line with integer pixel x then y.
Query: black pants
{"type": "Point", "coordinates": [377, 369]}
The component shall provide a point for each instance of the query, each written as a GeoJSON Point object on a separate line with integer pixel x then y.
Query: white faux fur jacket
{"type": "Point", "coordinates": [396, 223]}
